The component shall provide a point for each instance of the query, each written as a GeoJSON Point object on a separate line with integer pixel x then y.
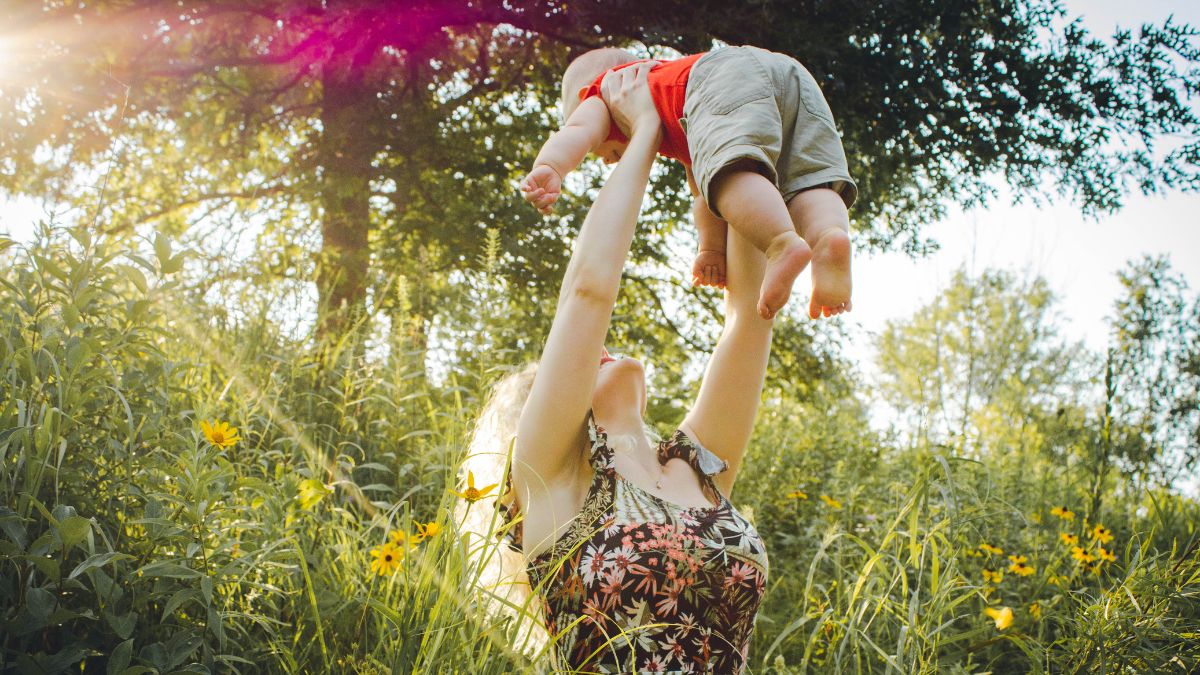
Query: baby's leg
{"type": "Point", "coordinates": [709, 268]}
{"type": "Point", "coordinates": [820, 216]}
{"type": "Point", "coordinates": [753, 206]}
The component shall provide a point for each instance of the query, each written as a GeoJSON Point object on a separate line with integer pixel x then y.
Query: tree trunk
{"type": "Point", "coordinates": [345, 154]}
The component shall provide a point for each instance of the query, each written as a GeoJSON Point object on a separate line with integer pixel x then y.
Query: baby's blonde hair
{"type": "Point", "coordinates": [585, 68]}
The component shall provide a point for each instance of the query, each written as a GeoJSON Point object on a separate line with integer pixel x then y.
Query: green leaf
{"type": "Point", "coordinates": [73, 529]}
{"type": "Point", "coordinates": [171, 570]}
{"type": "Point", "coordinates": [118, 661]}
{"type": "Point", "coordinates": [97, 560]}
{"type": "Point", "coordinates": [162, 249]}
{"type": "Point", "coordinates": [135, 277]}
{"type": "Point", "coordinates": [173, 264]}
{"type": "Point", "coordinates": [47, 566]}
{"type": "Point", "coordinates": [39, 602]}
{"type": "Point", "coordinates": [13, 527]}
{"type": "Point", "coordinates": [122, 624]}
{"type": "Point", "coordinates": [177, 600]}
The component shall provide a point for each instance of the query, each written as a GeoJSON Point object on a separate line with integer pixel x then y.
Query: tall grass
{"type": "Point", "coordinates": [130, 543]}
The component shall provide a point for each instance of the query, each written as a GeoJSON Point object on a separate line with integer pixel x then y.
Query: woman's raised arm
{"type": "Point", "coordinates": [549, 434]}
{"type": "Point", "coordinates": [722, 418]}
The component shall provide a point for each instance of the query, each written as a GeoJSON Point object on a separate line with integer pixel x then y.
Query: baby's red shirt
{"type": "Point", "coordinates": [668, 84]}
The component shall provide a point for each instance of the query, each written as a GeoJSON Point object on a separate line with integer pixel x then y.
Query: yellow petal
{"type": "Point", "coordinates": [1003, 616]}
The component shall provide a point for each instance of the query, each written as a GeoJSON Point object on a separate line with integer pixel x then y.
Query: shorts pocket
{"type": "Point", "coordinates": [737, 78]}
{"type": "Point", "coordinates": [812, 98]}
{"type": "Point", "coordinates": [727, 105]}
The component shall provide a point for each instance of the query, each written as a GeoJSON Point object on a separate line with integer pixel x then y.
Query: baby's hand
{"type": "Point", "coordinates": [542, 187]}
{"type": "Point", "coordinates": [709, 269]}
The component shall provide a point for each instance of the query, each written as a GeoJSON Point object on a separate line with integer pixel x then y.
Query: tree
{"type": "Point", "coordinates": [1153, 406]}
{"type": "Point", "coordinates": [977, 367]}
{"type": "Point", "coordinates": [357, 141]}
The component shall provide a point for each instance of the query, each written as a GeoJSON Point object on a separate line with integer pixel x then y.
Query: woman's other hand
{"type": "Point", "coordinates": [627, 95]}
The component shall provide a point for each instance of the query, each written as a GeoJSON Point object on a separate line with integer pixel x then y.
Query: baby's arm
{"type": "Point", "coordinates": [564, 150]}
{"type": "Point", "coordinates": [709, 267]}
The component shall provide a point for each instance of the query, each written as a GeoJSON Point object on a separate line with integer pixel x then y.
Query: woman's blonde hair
{"type": "Point", "coordinates": [497, 570]}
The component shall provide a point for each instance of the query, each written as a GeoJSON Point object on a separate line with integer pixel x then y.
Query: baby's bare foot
{"type": "Point", "coordinates": [830, 275]}
{"type": "Point", "coordinates": [787, 255]}
{"type": "Point", "coordinates": [709, 269]}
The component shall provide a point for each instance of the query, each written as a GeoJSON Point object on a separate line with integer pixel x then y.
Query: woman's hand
{"type": "Point", "coordinates": [627, 95]}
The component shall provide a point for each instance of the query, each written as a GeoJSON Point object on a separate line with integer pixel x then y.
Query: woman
{"type": "Point", "coordinates": [639, 559]}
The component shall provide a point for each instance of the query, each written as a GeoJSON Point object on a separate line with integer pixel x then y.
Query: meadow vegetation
{"type": "Point", "coordinates": [186, 486]}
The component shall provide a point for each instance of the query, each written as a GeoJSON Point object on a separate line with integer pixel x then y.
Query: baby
{"type": "Point", "coordinates": [761, 151]}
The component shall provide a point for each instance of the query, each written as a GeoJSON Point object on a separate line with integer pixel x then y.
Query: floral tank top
{"type": "Point", "coordinates": [637, 583]}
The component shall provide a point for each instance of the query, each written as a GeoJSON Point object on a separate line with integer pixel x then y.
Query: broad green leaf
{"type": "Point", "coordinates": [97, 560]}
{"type": "Point", "coordinates": [40, 603]}
{"type": "Point", "coordinates": [118, 661]}
{"type": "Point", "coordinates": [73, 529]}
{"type": "Point", "coordinates": [169, 569]}
{"type": "Point", "coordinates": [162, 249]}
{"type": "Point", "coordinates": [123, 624]}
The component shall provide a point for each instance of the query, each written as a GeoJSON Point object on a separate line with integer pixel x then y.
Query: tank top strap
{"type": "Point", "coordinates": [600, 455]}
{"type": "Point", "coordinates": [703, 461]}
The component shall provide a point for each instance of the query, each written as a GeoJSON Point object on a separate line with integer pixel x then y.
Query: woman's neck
{"type": "Point", "coordinates": [623, 423]}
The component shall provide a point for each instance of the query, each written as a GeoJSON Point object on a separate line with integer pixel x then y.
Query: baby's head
{"type": "Point", "coordinates": [585, 69]}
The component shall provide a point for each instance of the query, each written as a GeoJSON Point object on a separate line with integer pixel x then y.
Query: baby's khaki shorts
{"type": "Point", "coordinates": [750, 103]}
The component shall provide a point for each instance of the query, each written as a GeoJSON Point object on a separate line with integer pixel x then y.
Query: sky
{"type": "Point", "coordinates": [1078, 257]}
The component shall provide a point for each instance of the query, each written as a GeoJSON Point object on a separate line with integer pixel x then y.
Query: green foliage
{"type": "Point", "coordinates": [131, 542]}
{"type": "Point", "coordinates": [351, 143]}
{"type": "Point", "coordinates": [983, 352]}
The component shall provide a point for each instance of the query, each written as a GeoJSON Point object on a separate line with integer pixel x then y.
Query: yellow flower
{"type": "Point", "coordinates": [993, 577]}
{"type": "Point", "coordinates": [399, 539]}
{"type": "Point", "coordinates": [1063, 512]}
{"type": "Point", "coordinates": [311, 492]}
{"type": "Point", "coordinates": [1021, 569]}
{"type": "Point", "coordinates": [1068, 539]}
{"type": "Point", "coordinates": [796, 494]}
{"type": "Point", "coordinates": [386, 559]}
{"type": "Point", "coordinates": [1057, 580]}
{"type": "Point", "coordinates": [473, 494]}
{"type": "Point", "coordinates": [1035, 610]}
{"type": "Point", "coordinates": [220, 434]}
{"type": "Point", "coordinates": [988, 548]}
{"type": "Point", "coordinates": [427, 530]}
{"type": "Point", "coordinates": [1003, 616]}
{"type": "Point", "coordinates": [1017, 559]}
{"type": "Point", "coordinates": [1081, 555]}
{"type": "Point", "coordinates": [831, 502]}
{"type": "Point", "coordinates": [1102, 534]}
{"type": "Point", "coordinates": [1106, 555]}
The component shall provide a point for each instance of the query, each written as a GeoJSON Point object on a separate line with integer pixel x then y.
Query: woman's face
{"type": "Point", "coordinates": [620, 384]}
